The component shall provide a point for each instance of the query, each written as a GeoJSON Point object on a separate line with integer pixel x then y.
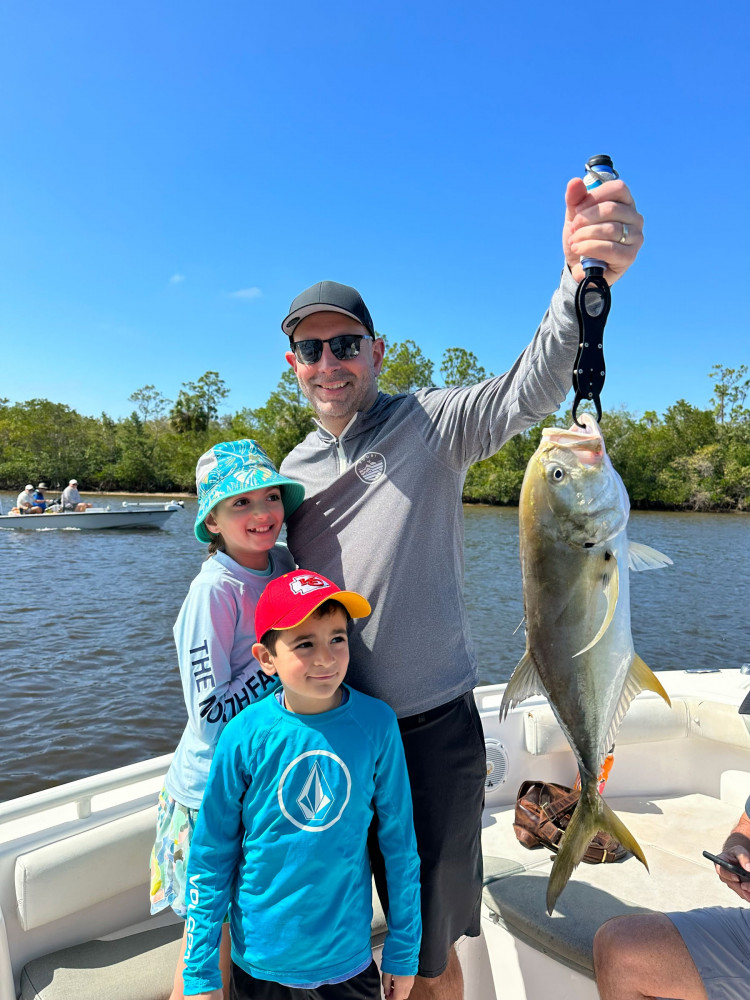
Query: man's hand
{"type": "Point", "coordinates": [737, 849]}
{"type": "Point", "coordinates": [737, 856]}
{"type": "Point", "coordinates": [596, 222]}
{"type": "Point", "coordinates": [396, 987]}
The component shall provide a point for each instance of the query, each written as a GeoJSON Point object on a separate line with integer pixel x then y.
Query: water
{"type": "Point", "coordinates": [90, 679]}
{"type": "Point", "coordinates": [695, 613]}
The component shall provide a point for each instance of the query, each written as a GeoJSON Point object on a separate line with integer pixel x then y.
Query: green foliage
{"type": "Point", "coordinates": [280, 425]}
{"type": "Point", "coordinates": [731, 388]}
{"type": "Point", "coordinates": [405, 369]}
{"type": "Point", "coordinates": [197, 403]}
{"type": "Point", "coordinates": [687, 459]}
{"type": "Point", "coordinates": [41, 440]}
{"type": "Point", "coordinates": [497, 480]}
{"type": "Point", "coordinates": [150, 402]}
{"type": "Point", "coordinates": [460, 367]}
{"type": "Point", "coordinates": [649, 452]}
{"type": "Point", "coordinates": [144, 452]}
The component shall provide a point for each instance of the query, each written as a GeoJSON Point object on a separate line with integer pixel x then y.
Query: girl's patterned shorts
{"type": "Point", "coordinates": [169, 858]}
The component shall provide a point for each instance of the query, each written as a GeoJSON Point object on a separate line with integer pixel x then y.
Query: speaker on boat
{"type": "Point", "coordinates": [497, 764]}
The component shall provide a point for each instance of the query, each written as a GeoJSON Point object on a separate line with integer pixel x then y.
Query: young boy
{"type": "Point", "coordinates": [281, 838]}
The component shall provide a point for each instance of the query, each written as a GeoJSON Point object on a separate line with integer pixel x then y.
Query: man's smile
{"type": "Point", "coordinates": [332, 386]}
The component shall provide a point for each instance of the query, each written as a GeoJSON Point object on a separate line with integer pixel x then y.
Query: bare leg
{"type": "Point", "coordinates": [225, 963]}
{"type": "Point", "coordinates": [449, 986]}
{"type": "Point", "coordinates": [643, 956]}
{"type": "Point", "coordinates": [225, 959]}
{"type": "Point", "coordinates": [177, 986]}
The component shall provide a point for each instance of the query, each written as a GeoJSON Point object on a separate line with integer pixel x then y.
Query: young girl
{"type": "Point", "coordinates": [242, 503]}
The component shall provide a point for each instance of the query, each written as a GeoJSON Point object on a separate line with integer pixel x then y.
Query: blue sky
{"type": "Point", "coordinates": [172, 174]}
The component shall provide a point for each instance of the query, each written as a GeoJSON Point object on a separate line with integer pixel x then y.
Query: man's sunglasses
{"type": "Point", "coordinates": [343, 347]}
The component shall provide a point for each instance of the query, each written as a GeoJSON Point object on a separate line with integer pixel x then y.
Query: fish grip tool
{"type": "Point", "coordinates": [593, 300]}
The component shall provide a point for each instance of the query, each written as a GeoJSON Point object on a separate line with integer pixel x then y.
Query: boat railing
{"type": "Point", "coordinates": [153, 504]}
{"type": "Point", "coordinates": [81, 793]}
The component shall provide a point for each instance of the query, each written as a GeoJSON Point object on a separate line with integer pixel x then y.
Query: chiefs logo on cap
{"type": "Point", "coordinates": [307, 584]}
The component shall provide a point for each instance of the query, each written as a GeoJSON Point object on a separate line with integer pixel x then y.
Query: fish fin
{"type": "Point", "coordinates": [640, 678]}
{"type": "Point", "coordinates": [647, 679]}
{"type": "Point", "coordinates": [524, 682]}
{"type": "Point", "coordinates": [590, 815]}
{"type": "Point", "coordinates": [611, 592]}
{"type": "Point", "coordinates": [642, 557]}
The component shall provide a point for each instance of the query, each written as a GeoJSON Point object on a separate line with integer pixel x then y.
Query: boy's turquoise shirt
{"type": "Point", "coordinates": [281, 841]}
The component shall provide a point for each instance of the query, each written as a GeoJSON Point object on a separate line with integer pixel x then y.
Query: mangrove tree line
{"type": "Point", "coordinates": [686, 458]}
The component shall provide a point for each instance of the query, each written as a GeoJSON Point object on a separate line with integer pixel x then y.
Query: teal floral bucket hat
{"type": "Point", "coordinates": [234, 467]}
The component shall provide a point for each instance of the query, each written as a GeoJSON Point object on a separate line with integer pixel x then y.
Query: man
{"type": "Point", "coordinates": [39, 500]}
{"type": "Point", "coordinates": [383, 478]}
{"type": "Point", "coordinates": [71, 498]}
{"type": "Point", "coordinates": [25, 502]}
{"type": "Point", "coordinates": [686, 956]}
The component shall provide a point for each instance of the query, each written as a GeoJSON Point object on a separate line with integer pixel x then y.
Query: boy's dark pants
{"type": "Point", "coordinates": [365, 986]}
{"type": "Point", "coordinates": [447, 763]}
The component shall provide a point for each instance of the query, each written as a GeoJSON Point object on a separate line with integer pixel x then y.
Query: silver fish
{"type": "Point", "coordinates": [579, 651]}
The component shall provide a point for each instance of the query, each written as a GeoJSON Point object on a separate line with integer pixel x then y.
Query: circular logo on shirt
{"type": "Point", "coordinates": [370, 467]}
{"type": "Point", "coordinates": [314, 790]}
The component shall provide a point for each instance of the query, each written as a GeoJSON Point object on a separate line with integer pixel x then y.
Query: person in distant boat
{"type": "Point", "coordinates": [692, 955]}
{"type": "Point", "coordinates": [242, 503]}
{"type": "Point", "coordinates": [25, 502]}
{"type": "Point", "coordinates": [39, 500]}
{"type": "Point", "coordinates": [71, 498]}
{"type": "Point", "coordinates": [281, 838]}
{"type": "Point", "coordinates": [383, 479]}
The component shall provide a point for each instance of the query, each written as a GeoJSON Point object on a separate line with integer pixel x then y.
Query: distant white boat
{"type": "Point", "coordinates": [129, 515]}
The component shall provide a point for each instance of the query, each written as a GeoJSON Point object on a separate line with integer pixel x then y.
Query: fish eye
{"type": "Point", "coordinates": [557, 473]}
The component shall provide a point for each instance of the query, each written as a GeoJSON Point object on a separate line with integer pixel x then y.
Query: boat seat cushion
{"type": "Point", "coordinates": [672, 832]}
{"type": "Point", "coordinates": [77, 872]}
{"type": "Point", "coordinates": [649, 719]}
{"type": "Point", "coordinates": [567, 936]}
{"type": "Point", "coordinates": [137, 967]}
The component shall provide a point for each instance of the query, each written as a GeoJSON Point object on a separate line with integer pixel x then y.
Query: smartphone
{"type": "Point", "coordinates": [729, 865]}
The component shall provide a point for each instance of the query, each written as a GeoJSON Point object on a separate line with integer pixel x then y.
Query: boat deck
{"type": "Point", "coordinates": [672, 832]}
{"type": "Point", "coordinates": [73, 860]}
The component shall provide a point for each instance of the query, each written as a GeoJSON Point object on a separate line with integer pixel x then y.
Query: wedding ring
{"type": "Point", "coordinates": [625, 231]}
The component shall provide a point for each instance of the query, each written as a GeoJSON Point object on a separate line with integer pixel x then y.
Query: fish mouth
{"type": "Point", "coordinates": [586, 443]}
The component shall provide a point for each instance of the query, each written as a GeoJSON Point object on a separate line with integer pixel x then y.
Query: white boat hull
{"type": "Point", "coordinates": [74, 859]}
{"type": "Point", "coordinates": [129, 515]}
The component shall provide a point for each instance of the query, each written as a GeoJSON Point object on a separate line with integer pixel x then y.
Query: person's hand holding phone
{"type": "Point", "coordinates": [730, 866]}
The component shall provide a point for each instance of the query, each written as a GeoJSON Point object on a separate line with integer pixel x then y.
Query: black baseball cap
{"type": "Point", "coordinates": [328, 296]}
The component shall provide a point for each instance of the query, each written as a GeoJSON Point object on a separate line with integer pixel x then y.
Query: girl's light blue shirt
{"type": "Point", "coordinates": [214, 634]}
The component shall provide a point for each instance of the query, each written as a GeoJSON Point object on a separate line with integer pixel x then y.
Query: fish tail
{"type": "Point", "coordinates": [591, 815]}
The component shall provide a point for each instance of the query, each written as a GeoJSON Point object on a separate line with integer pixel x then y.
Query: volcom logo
{"type": "Point", "coordinates": [301, 585]}
{"type": "Point", "coordinates": [316, 797]}
{"type": "Point", "coordinates": [314, 790]}
{"type": "Point", "coordinates": [370, 467]}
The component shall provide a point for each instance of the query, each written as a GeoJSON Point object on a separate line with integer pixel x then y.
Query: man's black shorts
{"type": "Point", "coordinates": [365, 986]}
{"type": "Point", "coordinates": [447, 764]}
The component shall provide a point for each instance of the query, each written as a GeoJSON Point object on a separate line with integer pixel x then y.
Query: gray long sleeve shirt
{"type": "Point", "coordinates": [382, 513]}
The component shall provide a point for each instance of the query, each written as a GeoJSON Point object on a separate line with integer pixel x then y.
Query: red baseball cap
{"type": "Point", "coordinates": [289, 599]}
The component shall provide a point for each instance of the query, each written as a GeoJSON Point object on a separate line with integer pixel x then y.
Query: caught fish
{"type": "Point", "coordinates": [579, 651]}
